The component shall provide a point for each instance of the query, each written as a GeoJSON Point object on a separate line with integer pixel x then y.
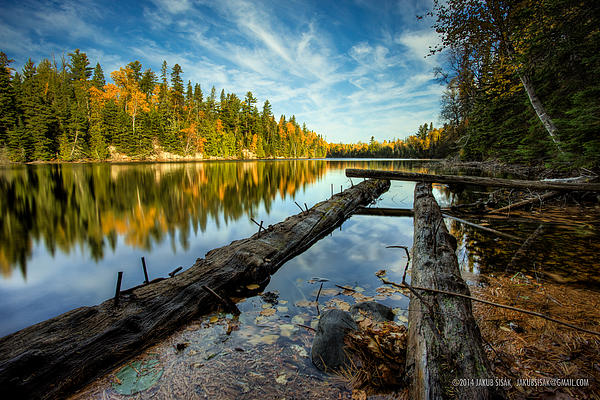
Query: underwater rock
{"type": "Point", "coordinates": [374, 310]}
{"type": "Point", "coordinates": [328, 346]}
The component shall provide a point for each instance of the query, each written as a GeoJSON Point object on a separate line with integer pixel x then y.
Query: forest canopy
{"type": "Point", "coordinates": [67, 111]}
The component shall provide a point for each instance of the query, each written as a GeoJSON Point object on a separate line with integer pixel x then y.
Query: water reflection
{"type": "Point", "coordinates": [65, 230]}
{"type": "Point", "coordinates": [89, 206]}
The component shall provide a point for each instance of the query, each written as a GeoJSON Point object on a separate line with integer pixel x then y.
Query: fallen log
{"type": "Point", "coordinates": [522, 203]}
{"type": "Point", "coordinates": [55, 357]}
{"type": "Point", "coordinates": [407, 212]}
{"type": "Point", "coordinates": [560, 185]}
{"type": "Point", "coordinates": [445, 357]}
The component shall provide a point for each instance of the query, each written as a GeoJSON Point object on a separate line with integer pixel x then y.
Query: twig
{"type": "Point", "coordinates": [307, 327]}
{"type": "Point", "coordinates": [403, 285]}
{"type": "Point", "coordinates": [484, 228]}
{"type": "Point", "coordinates": [301, 209]}
{"type": "Point", "coordinates": [510, 207]}
{"type": "Point", "coordinates": [525, 246]}
{"type": "Point", "coordinates": [407, 259]}
{"type": "Point", "coordinates": [318, 294]}
{"type": "Point", "coordinates": [346, 288]}
{"type": "Point", "coordinates": [229, 305]}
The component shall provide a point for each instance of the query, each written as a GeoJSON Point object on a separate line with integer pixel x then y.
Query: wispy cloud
{"type": "Point", "coordinates": [349, 71]}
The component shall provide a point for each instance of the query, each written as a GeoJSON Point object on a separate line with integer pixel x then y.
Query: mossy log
{"type": "Point", "coordinates": [444, 342]}
{"type": "Point", "coordinates": [54, 358]}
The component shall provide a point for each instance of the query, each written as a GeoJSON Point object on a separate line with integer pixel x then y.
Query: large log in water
{"type": "Point", "coordinates": [444, 342]}
{"type": "Point", "coordinates": [560, 185]}
{"type": "Point", "coordinates": [55, 357]}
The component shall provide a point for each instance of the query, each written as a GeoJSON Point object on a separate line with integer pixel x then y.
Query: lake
{"type": "Point", "coordinates": [67, 229]}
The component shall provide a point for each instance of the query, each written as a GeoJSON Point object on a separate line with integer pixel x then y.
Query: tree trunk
{"type": "Point", "coordinates": [55, 357]}
{"type": "Point", "coordinates": [445, 357]}
{"type": "Point", "coordinates": [562, 185]}
{"type": "Point", "coordinates": [540, 110]}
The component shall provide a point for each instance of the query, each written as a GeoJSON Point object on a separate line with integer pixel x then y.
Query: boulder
{"type": "Point", "coordinates": [328, 346]}
{"type": "Point", "coordinates": [374, 310]}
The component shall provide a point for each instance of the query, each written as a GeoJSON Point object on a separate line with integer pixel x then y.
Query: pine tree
{"type": "Point", "coordinates": [8, 102]}
{"type": "Point", "coordinates": [98, 80]}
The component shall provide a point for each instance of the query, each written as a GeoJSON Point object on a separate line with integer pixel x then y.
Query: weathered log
{"type": "Point", "coordinates": [523, 203]}
{"type": "Point", "coordinates": [444, 342]}
{"type": "Point", "coordinates": [407, 212]}
{"type": "Point", "coordinates": [473, 180]}
{"type": "Point", "coordinates": [57, 356]}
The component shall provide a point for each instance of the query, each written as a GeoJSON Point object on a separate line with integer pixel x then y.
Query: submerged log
{"type": "Point", "coordinates": [444, 342]}
{"type": "Point", "coordinates": [55, 357]}
{"type": "Point", "coordinates": [474, 180]}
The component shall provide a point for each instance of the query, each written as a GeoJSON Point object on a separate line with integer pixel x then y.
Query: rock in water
{"type": "Point", "coordinates": [374, 310]}
{"type": "Point", "coordinates": [328, 346]}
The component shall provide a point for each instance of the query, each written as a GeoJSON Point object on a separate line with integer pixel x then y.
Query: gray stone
{"type": "Point", "coordinates": [328, 346]}
{"type": "Point", "coordinates": [374, 310]}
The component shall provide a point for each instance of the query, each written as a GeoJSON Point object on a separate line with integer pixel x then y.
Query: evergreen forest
{"type": "Point", "coordinates": [67, 111]}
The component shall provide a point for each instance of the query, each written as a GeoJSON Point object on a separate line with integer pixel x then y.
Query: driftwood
{"type": "Point", "coordinates": [55, 357]}
{"type": "Point", "coordinates": [560, 185]}
{"type": "Point", "coordinates": [444, 342]}
{"type": "Point", "coordinates": [407, 212]}
{"type": "Point", "coordinates": [519, 204]}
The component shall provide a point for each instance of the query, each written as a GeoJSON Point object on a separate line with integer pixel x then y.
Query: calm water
{"type": "Point", "coordinates": [66, 230]}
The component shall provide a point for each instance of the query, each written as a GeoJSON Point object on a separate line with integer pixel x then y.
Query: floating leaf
{"type": "Point", "coordinates": [300, 350]}
{"type": "Point", "coordinates": [305, 303]}
{"type": "Point", "coordinates": [267, 312]}
{"type": "Point", "coordinates": [287, 329]}
{"type": "Point", "coordinates": [252, 286]}
{"type": "Point", "coordinates": [283, 301]}
{"type": "Point", "coordinates": [266, 339]}
{"type": "Point", "coordinates": [326, 292]}
{"type": "Point", "coordinates": [282, 309]}
{"type": "Point", "coordinates": [380, 273]}
{"type": "Point", "coordinates": [341, 304]}
{"type": "Point", "coordinates": [402, 318]}
{"type": "Point", "coordinates": [137, 376]}
{"type": "Point", "coordinates": [298, 319]}
{"type": "Point", "coordinates": [359, 289]}
{"type": "Point", "coordinates": [267, 305]}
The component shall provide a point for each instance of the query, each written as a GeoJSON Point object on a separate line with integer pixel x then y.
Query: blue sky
{"type": "Point", "coordinates": [349, 69]}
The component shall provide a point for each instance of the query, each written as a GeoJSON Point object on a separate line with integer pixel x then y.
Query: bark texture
{"type": "Point", "coordinates": [55, 357]}
{"type": "Point", "coordinates": [474, 180]}
{"type": "Point", "coordinates": [444, 341]}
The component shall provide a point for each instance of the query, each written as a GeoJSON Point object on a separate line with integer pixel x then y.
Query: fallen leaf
{"type": "Point", "coordinates": [267, 312]}
{"type": "Point", "coordinates": [266, 339]}
{"type": "Point", "coordinates": [287, 329]}
{"type": "Point", "coordinates": [213, 319]}
{"type": "Point", "coordinates": [305, 303]}
{"type": "Point", "coordinates": [281, 379]}
{"type": "Point", "coordinates": [300, 350]}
